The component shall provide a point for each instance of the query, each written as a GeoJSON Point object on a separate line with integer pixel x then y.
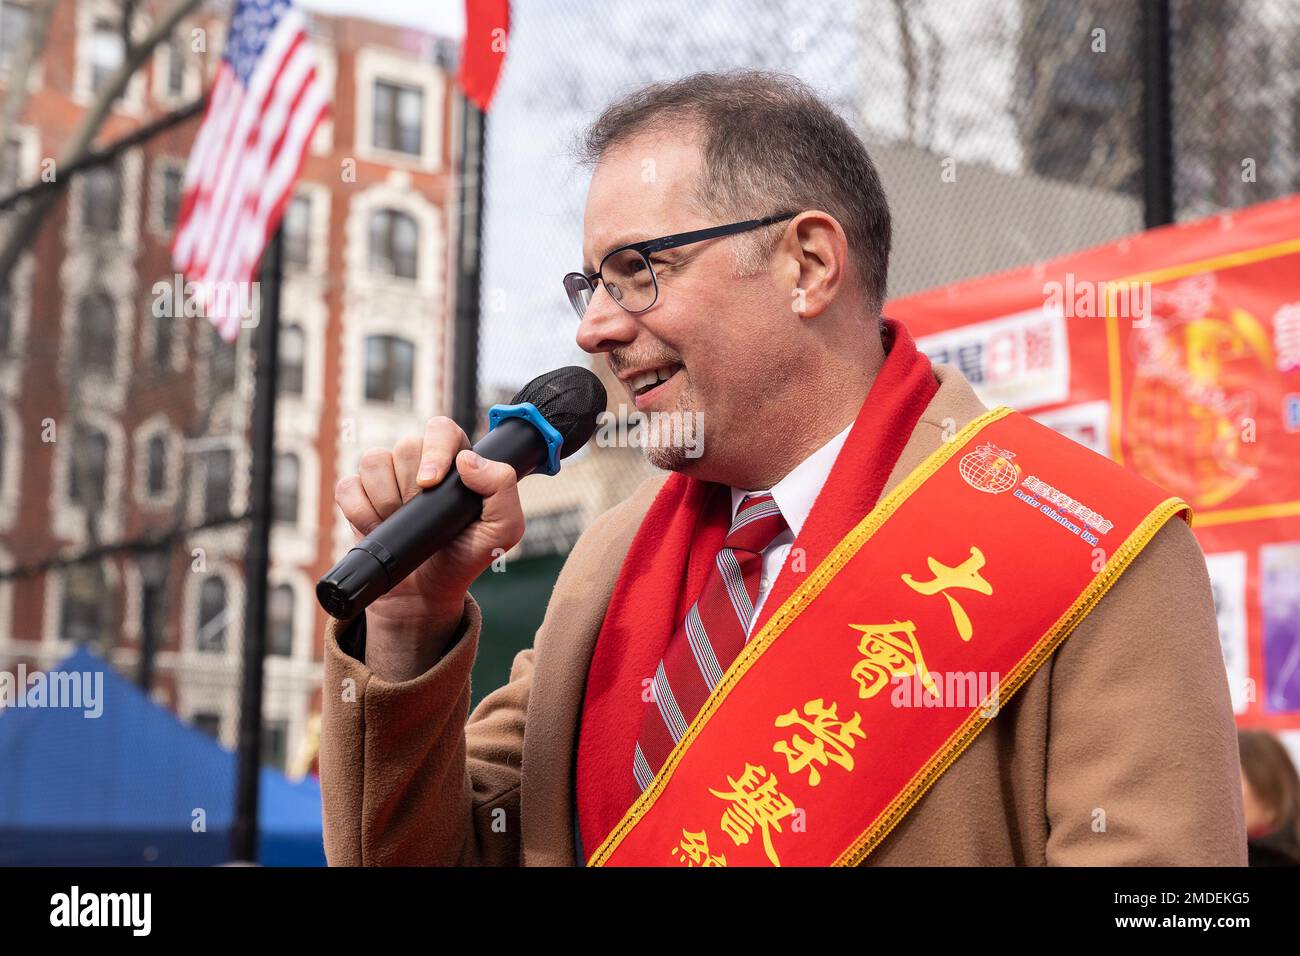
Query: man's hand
{"type": "Point", "coordinates": [409, 627]}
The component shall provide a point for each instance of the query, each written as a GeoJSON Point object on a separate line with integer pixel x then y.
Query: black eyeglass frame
{"type": "Point", "coordinates": [648, 247]}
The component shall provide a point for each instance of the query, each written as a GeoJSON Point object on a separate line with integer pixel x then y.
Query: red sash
{"type": "Point", "coordinates": [865, 684]}
{"type": "Point", "coordinates": [671, 555]}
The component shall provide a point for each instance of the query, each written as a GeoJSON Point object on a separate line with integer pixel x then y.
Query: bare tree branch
{"type": "Point", "coordinates": [28, 53]}
{"type": "Point", "coordinates": [27, 220]}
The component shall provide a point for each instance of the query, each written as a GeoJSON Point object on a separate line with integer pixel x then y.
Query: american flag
{"type": "Point", "coordinates": [266, 102]}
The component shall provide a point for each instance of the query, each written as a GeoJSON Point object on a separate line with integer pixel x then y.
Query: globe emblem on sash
{"type": "Point", "coordinates": [989, 468]}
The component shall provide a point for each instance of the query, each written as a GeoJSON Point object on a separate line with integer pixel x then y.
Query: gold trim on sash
{"type": "Point", "coordinates": [1035, 658]}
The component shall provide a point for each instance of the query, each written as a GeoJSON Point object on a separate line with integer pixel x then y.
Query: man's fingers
{"type": "Point", "coordinates": [379, 481]}
{"type": "Point", "coordinates": [497, 483]}
{"type": "Point", "coordinates": [482, 475]}
{"type": "Point", "coordinates": [490, 479]}
{"type": "Point", "coordinates": [406, 461]}
{"type": "Point", "coordinates": [356, 505]}
{"type": "Point", "coordinates": [443, 438]}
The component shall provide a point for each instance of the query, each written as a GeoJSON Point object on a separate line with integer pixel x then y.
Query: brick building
{"type": "Point", "coordinates": [119, 425]}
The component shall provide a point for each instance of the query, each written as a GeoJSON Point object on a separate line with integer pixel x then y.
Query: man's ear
{"type": "Point", "coordinates": [816, 250]}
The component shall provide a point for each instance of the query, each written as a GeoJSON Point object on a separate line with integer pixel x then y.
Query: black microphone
{"type": "Point", "coordinates": [550, 418]}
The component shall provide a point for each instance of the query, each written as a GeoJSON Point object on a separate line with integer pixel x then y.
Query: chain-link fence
{"type": "Point", "coordinates": [1005, 132]}
{"type": "Point", "coordinates": [125, 463]}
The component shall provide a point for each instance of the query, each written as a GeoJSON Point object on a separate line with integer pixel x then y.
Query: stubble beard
{"type": "Point", "coordinates": [659, 449]}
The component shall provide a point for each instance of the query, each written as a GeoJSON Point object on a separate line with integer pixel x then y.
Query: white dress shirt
{"type": "Point", "coordinates": [794, 495]}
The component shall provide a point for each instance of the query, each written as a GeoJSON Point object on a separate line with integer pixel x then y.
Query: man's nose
{"type": "Point", "coordinates": [605, 324]}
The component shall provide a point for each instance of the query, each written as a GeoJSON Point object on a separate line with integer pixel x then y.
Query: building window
{"type": "Point", "coordinates": [216, 484]}
{"type": "Point", "coordinates": [292, 354]}
{"type": "Point", "coordinates": [398, 118]}
{"type": "Point", "coordinates": [88, 468]}
{"type": "Point", "coordinates": [207, 722]}
{"type": "Point", "coordinates": [285, 479]}
{"type": "Point", "coordinates": [151, 613]}
{"type": "Point", "coordinates": [390, 369]}
{"type": "Point", "coordinates": [280, 639]}
{"type": "Point", "coordinates": [101, 198]}
{"type": "Point", "coordinates": [297, 232]}
{"type": "Point", "coordinates": [394, 243]}
{"type": "Point", "coordinates": [96, 332]}
{"type": "Point", "coordinates": [212, 616]}
{"type": "Point", "coordinates": [13, 27]}
{"type": "Point", "coordinates": [275, 743]}
{"type": "Point", "coordinates": [163, 330]}
{"type": "Point", "coordinates": [171, 197]}
{"type": "Point", "coordinates": [156, 469]}
{"type": "Point", "coordinates": [85, 602]}
{"type": "Point", "coordinates": [10, 164]}
{"type": "Point", "coordinates": [106, 53]}
{"type": "Point", "coordinates": [221, 367]}
{"type": "Point", "coordinates": [175, 66]}
{"type": "Point", "coordinates": [6, 318]}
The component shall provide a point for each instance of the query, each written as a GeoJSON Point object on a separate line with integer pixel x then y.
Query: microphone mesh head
{"type": "Point", "coordinates": [571, 399]}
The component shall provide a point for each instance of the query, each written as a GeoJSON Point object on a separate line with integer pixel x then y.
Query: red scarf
{"type": "Point", "coordinates": [670, 558]}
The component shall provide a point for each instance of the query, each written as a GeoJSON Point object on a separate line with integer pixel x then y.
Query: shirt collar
{"type": "Point", "coordinates": [796, 492]}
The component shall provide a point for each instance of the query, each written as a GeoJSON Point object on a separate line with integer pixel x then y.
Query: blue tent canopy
{"type": "Point", "coordinates": [134, 786]}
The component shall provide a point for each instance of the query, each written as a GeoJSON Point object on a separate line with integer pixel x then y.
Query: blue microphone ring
{"type": "Point", "coordinates": [528, 411]}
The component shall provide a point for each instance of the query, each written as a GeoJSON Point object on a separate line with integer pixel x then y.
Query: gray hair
{"type": "Point", "coordinates": [769, 145]}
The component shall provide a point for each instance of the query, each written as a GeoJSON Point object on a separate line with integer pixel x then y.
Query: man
{"type": "Point", "coordinates": [723, 671]}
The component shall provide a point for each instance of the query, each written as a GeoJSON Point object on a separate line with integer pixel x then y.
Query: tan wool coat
{"type": "Point", "coordinates": [1120, 750]}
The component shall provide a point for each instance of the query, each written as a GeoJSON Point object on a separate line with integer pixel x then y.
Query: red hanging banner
{"type": "Point", "coordinates": [487, 25]}
{"type": "Point", "coordinates": [1176, 352]}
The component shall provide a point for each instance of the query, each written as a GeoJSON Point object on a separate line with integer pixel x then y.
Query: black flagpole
{"type": "Point", "coordinates": [258, 561]}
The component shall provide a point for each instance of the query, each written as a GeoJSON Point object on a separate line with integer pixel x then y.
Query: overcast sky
{"type": "Point", "coordinates": [444, 17]}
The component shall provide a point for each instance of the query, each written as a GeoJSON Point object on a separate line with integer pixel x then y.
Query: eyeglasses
{"type": "Point", "coordinates": [628, 276]}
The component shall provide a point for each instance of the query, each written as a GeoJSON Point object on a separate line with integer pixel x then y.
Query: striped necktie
{"type": "Point", "coordinates": [709, 638]}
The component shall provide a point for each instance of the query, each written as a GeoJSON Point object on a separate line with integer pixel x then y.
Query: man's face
{"type": "Point", "coordinates": [716, 336]}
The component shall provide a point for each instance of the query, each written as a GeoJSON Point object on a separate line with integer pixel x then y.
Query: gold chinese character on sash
{"type": "Point", "coordinates": [756, 802]}
{"type": "Point", "coordinates": [694, 850]}
{"type": "Point", "coordinates": [890, 650]}
{"type": "Point", "coordinates": [965, 575]}
{"type": "Point", "coordinates": [827, 730]}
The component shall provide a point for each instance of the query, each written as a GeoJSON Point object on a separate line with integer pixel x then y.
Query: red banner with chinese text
{"type": "Point", "coordinates": [1175, 352]}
